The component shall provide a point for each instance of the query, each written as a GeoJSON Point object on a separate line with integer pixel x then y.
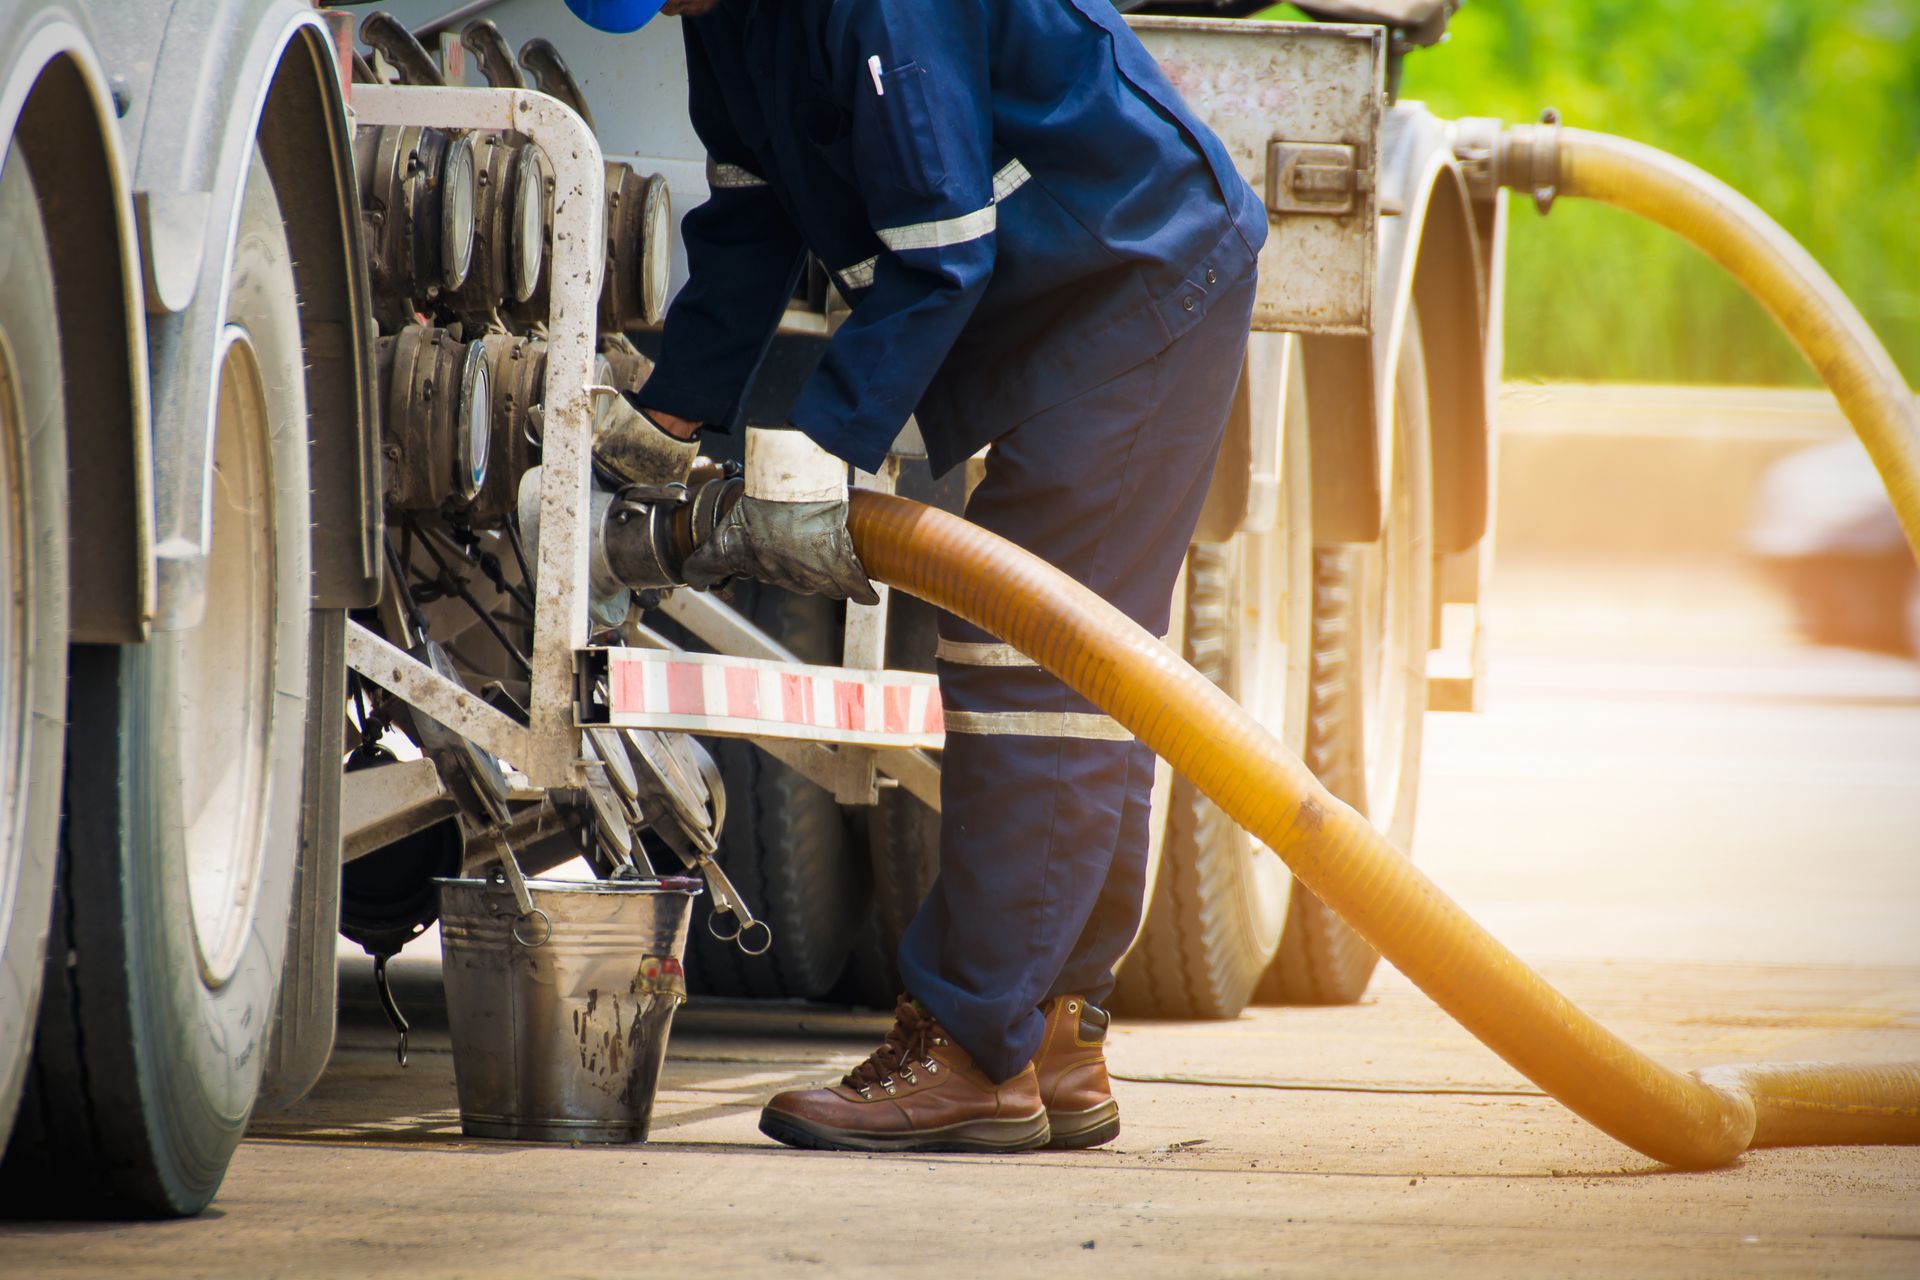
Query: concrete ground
{"type": "Point", "coordinates": [1705, 834]}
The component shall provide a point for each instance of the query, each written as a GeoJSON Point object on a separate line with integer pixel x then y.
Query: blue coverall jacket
{"type": "Point", "coordinates": [1014, 200]}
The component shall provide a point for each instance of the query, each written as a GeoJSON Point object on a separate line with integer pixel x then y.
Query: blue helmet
{"type": "Point", "coordinates": [617, 16]}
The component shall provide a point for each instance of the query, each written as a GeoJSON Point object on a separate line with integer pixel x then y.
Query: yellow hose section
{"type": "Point", "coordinates": [1770, 265]}
{"type": "Point", "coordinates": [1692, 1122]}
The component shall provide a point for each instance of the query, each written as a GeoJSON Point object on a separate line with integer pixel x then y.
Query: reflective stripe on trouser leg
{"type": "Point", "coordinates": [966, 653]}
{"type": "Point", "coordinates": [1037, 724]}
{"type": "Point", "coordinates": [1043, 836]}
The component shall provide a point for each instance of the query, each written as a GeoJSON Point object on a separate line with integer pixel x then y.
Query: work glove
{"type": "Point", "coordinates": [798, 546]}
{"type": "Point", "coordinates": [630, 445]}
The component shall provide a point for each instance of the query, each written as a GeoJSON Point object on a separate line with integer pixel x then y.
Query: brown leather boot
{"type": "Point", "coordinates": [1072, 1071]}
{"type": "Point", "coordinates": [918, 1092]}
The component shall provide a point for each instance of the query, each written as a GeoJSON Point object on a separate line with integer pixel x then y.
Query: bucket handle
{"type": "Point", "coordinates": [522, 898]}
{"type": "Point", "coordinates": [546, 922]}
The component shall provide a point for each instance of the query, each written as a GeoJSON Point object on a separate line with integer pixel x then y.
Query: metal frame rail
{"type": "Point", "coordinates": [850, 728]}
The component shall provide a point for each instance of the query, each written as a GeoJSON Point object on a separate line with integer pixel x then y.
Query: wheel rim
{"type": "Point", "coordinates": [1263, 610]}
{"type": "Point", "coordinates": [1162, 795]}
{"type": "Point", "coordinates": [226, 675]}
{"type": "Point", "coordinates": [13, 629]}
{"type": "Point", "coordinates": [1273, 607]}
{"type": "Point", "coordinates": [1385, 579]}
{"type": "Point", "coordinates": [1266, 611]}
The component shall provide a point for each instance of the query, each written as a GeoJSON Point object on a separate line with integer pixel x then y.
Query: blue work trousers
{"type": "Point", "coordinates": [1044, 800]}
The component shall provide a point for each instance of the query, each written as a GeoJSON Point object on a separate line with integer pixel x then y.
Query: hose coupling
{"type": "Point", "coordinates": [1528, 160]}
{"type": "Point", "coordinates": [649, 531]}
{"type": "Point", "coordinates": [641, 535]}
{"type": "Point", "coordinates": [1524, 158]}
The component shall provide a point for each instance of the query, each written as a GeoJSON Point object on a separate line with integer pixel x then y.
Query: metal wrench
{"type": "Point", "coordinates": [728, 902]}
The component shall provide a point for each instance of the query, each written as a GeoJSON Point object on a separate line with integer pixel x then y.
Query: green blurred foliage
{"type": "Point", "coordinates": [1811, 109]}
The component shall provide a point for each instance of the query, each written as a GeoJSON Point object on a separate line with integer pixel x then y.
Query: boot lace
{"type": "Point", "coordinates": [905, 1048]}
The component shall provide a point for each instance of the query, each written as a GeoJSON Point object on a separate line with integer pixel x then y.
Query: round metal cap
{"type": "Point", "coordinates": [458, 196]}
{"type": "Point", "coordinates": [475, 428]}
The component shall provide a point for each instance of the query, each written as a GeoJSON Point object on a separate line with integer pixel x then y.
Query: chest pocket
{"type": "Point", "coordinates": [912, 142]}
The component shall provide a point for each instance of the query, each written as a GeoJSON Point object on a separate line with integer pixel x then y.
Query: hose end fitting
{"type": "Point", "coordinates": [1527, 158]}
{"type": "Point", "coordinates": [1524, 158]}
{"type": "Point", "coordinates": [651, 530]}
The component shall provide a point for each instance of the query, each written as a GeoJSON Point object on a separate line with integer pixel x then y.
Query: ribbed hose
{"type": "Point", "coordinates": [1692, 1121]}
{"type": "Point", "coordinates": [1768, 263]}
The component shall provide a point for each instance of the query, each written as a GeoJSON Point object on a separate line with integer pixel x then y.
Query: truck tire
{"type": "Point", "coordinates": [184, 815]}
{"type": "Point", "coordinates": [1219, 900]}
{"type": "Point", "coordinates": [1373, 620]}
{"type": "Point", "coordinates": [33, 619]}
{"type": "Point", "coordinates": [303, 1022]}
{"type": "Point", "coordinates": [785, 845]}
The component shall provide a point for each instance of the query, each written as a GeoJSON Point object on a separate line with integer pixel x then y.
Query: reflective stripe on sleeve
{"type": "Point", "coordinates": [731, 177]}
{"type": "Point", "coordinates": [859, 275]}
{"type": "Point", "coordinates": [1039, 724]}
{"type": "Point", "coordinates": [1012, 176]}
{"type": "Point", "coordinates": [968, 654]}
{"type": "Point", "coordinates": [940, 233]}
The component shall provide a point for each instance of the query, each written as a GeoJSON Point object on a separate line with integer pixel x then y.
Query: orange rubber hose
{"type": "Point", "coordinates": [1691, 1121]}
{"type": "Point", "coordinates": [1768, 263]}
{"type": "Point", "coordinates": [1697, 1121]}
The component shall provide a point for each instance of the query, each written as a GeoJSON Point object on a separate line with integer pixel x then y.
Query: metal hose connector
{"type": "Point", "coordinates": [1768, 263]}
{"type": "Point", "coordinates": [1698, 1121]}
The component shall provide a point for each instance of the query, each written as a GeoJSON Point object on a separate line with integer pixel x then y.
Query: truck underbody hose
{"type": "Point", "coordinates": [1695, 1121]}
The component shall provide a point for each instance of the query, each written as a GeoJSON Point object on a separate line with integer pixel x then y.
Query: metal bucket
{"type": "Point", "coordinates": [560, 1017]}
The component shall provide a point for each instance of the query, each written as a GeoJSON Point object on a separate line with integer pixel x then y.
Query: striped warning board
{"type": "Point", "coordinates": [751, 698]}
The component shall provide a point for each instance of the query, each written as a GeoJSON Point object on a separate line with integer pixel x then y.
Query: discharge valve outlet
{"type": "Point", "coordinates": [649, 531]}
{"type": "Point", "coordinates": [642, 534]}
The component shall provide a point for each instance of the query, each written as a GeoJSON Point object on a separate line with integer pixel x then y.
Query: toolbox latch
{"type": "Point", "coordinates": [1314, 177]}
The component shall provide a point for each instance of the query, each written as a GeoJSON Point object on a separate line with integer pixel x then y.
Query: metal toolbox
{"type": "Point", "coordinates": [1299, 107]}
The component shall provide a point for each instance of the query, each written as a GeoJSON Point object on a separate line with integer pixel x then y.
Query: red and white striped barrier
{"type": "Point", "coordinates": [751, 698]}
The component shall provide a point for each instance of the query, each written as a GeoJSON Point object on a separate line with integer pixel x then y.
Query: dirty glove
{"type": "Point", "coordinates": [800, 546]}
{"type": "Point", "coordinates": [629, 444]}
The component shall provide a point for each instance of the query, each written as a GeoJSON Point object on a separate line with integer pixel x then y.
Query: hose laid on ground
{"type": "Point", "coordinates": [1692, 1121]}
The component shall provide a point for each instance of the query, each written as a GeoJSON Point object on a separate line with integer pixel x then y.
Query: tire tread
{"type": "Point", "coordinates": [1193, 958]}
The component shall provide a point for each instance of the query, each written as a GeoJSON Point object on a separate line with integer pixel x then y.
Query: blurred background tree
{"type": "Point", "coordinates": [1812, 110]}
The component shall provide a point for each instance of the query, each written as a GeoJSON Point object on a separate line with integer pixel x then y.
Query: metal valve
{"type": "Point", "coordinates": [437, 409]}
{"type": "Point", "coordinates": [642, 535]}
{"type": "Point", "coordinates": [649, 532]}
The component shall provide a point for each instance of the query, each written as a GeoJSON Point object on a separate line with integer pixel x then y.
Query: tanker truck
{"type": "Point", "coordinates": [322, 588]}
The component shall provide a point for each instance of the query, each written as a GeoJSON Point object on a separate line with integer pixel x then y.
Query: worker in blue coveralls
{"type": "Point", "coordinates": [1047, 256]}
